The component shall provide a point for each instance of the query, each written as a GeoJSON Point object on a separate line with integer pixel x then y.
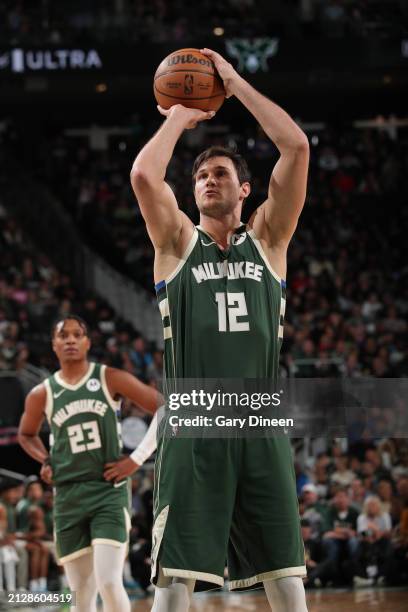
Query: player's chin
{"type": "Point", "coordinates": [73, 356]}
{"type": "Point", "coordinates": [213, 208]}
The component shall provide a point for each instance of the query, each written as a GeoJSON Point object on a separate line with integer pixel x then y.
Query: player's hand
{"type": "Point", "coordinates": [226, 71]}
{"type": "Point", "coordinates": [190, 116]}
{"type": "Point", "coordinates": [118, 470]}
{"type": "Point", "coordinates": [46, 474]}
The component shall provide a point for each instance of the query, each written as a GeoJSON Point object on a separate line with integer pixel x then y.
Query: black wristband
{"type": "Point", "coordinates": [47, 461]}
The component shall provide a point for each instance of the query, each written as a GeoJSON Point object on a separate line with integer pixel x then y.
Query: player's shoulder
{"type": "Point", "coordinates": [37, 396]}
{"type": "Point", "coordinates": [39, 389]}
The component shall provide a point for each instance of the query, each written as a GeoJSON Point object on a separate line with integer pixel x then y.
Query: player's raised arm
{"type": "Point", "coordinates": [276, 220]}
{"type": "Point", "coordinates": [121, 383]}
{"type": "Point", "coordinates": [157, 202]}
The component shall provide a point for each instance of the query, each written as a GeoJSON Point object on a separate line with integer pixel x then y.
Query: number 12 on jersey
{"type": "Point", "coordinates": [230, 307]}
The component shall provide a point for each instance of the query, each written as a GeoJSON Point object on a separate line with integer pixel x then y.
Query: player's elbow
{"type": "Point", "coordinates": [301, 145]}
{"type": "Point", "coordinates": [139, 178]}
{"type": "Point", "coordinates": [21, 438]}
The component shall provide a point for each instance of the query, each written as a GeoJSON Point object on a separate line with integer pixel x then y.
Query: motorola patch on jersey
{"type": "Point", "coordinates": [93, 384]}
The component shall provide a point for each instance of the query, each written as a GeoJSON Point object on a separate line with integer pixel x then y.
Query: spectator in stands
{"type": "Point", "coordinates": [357, 494]}
{"type": "Point", "coordinates": [340, 539]}
{"type": "Point", "coordinates": [141, 358]}
{"type": "Point", "coordinates": [343, 476]}
{"type": "Point", "coordinates": [39, 555]}
{"type": "Point", "coordinates": [8, 554]}
{"type": "Point", "coordinates": [319, 567]}
{"type": "Point", "coordinates": [33, 496]}
{"type": "Point", "coordinates": [10, 494]}
{"type": "Point", "coordinates": [386, 494]}
{"type": "Point", "coordinates": [373, 556]}
{"type": "Point", "coordinates": [314, 511]}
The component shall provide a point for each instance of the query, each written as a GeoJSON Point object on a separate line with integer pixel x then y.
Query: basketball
{"type": "Point", "coordinates": [189, 78]}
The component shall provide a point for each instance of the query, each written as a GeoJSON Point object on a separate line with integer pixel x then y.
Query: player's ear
{"type": "Point", "coordinates": [246, 189]}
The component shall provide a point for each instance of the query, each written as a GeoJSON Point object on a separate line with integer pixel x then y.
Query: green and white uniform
{"type": "Point", "coordinates": [222, 315]}
{"type": "Point", "coordinates": [84, 436]}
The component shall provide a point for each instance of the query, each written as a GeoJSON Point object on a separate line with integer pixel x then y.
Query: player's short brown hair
{"type": "Point", "coordinates": [218, 151]}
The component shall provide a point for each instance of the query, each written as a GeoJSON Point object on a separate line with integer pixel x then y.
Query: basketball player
{"type": "Point", "coordinates": [221, 319]}
{"type": "Point", "coordinates": [81, 402]}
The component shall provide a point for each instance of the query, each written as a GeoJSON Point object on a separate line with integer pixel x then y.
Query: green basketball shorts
{"type": "Point", "coordinates": [87, 513]}
{"type": "Point", "coordinates": [219, 499]}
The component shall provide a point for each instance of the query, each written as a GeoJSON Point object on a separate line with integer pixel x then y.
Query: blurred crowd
{"type": "Point", "coordinates": [353, 502]}
{"type": "Point", "coordinates": [354, 513]}
{"type": "Point", "coordinates": [71, 22]}
{"type": "Point", "coordinates": [33, 294]}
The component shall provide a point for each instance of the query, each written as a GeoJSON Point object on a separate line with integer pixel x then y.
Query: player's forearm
{"type": "Point", "coordinates": [275, 122]}
{"type": "Point", "coordinates": [33, 446]}
{"type": "Point", "coordinates": [152, 161]}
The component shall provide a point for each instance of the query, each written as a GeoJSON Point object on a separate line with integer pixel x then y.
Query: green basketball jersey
{"type": "Point", "coordinates": [85, 431]}
{"type": "Point", "coordinates": [222, 311]}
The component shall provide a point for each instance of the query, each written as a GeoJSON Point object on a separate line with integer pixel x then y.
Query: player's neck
{"type": "Point", "coordinates": [220, 230]}
{"type": "Point", "coordinates": [72, 372]}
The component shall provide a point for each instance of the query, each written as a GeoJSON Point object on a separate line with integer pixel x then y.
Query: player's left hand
{"type": "Point", "coordinates": [226, 71]}
{"type": "Point", "coordinates": [46, 473]}
{"type": "Point", "coordinates": [118, 470]}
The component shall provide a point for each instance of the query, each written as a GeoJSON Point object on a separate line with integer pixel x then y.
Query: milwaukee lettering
{"type": "Point", "coordinates": [189, 59]}
{"type": "Point", "coordinates": [239, 269]}
{"type": "Point", "coordinates": [78, 407]}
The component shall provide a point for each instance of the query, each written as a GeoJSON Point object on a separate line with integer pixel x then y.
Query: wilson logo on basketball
{"type": "Point", "coordinates": [188, 84]}
{"type": "Point", "coordinates": [188, 59]}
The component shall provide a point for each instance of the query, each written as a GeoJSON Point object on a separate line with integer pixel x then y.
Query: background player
{"type": "Point", "coordinates": [81, 402]}
{"type": "Point", "coordinates": [221, 323]}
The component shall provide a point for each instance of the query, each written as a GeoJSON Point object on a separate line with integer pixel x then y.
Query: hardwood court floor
{"type": "Point", "coordinates": [362, 600]}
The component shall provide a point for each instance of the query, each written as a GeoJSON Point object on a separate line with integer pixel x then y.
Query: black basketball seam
{"type": "Point", "coordinates": [213, 74]}
{"type": "Point", "coordinates": [179, 98]}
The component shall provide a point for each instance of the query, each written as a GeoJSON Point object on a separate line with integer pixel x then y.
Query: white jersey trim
{"type": "Point", "coordinates": [184, 257]}
{"type": "Point", "coordinates": [114, 404]}
{"type": "Point", "coordinates": [74, 555]}
{"type": "Point", "coordinates": [273, 575]}
{"type": "Point", "coordinates": [170, 572]}
{"type": "Point", "coordinates": [262, 253]}
{"type": "Point", "coordinates": [79, 384]}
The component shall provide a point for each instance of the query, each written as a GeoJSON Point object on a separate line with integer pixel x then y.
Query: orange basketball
{"type": "Point", "coordinates": [190, 78]}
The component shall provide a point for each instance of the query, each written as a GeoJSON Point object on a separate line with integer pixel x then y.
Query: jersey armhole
{"type": "Point", "coordinates": [262, 253]}
{"type": "Point", "coordinates": [184, 257]}
{"type": "Point", "coordinates": [48, 400]}
{"type": "Point", "coordinates": [114, 404]}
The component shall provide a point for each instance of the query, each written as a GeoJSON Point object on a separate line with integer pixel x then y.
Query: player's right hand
{"type": "Point", "coordinates": [118, 470]}
{"type": "Point", "coordinates": [46, 474]}
{"type": "Point", "coordinates": [191, 116]}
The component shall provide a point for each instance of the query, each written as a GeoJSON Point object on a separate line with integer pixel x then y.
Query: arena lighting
{"type": "Point", "coordinates": [101, 88]}
{"type": "Point", "coordinates": [218, 31]}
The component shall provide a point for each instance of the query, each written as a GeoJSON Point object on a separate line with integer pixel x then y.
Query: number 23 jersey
{"type": "Point", "coordinates": [222, 310]}
{"type": "Point", "coordinates": [85, 432]}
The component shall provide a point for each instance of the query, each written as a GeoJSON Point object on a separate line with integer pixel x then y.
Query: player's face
{"type": "Point", "coordinates": [70, 342]}
{"type": "Point", "coordinates": [217, 189]}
